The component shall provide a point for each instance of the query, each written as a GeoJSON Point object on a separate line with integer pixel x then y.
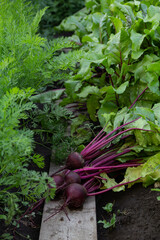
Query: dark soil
{"type": "Point", "coordinates": [137, 214]}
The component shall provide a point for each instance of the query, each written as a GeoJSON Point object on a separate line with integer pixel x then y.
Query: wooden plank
{"type": "Point", "coordinates": [82, 224]}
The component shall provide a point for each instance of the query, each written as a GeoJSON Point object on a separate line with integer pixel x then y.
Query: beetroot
{"type": "Point", "coordinates": [59, 181]}
{"type": "Point", "coordinates": [72, 177]}
{"type": "Point", "coordinates": [75, 195]}
{"type": "Point", "coordinates": [74, 161]}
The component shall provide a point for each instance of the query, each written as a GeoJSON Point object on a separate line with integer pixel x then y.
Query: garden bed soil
{"type": "Point", "coordinates": [137, 214]}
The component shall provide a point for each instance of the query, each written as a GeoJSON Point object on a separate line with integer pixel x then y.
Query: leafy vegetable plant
{"type": "Point", "coordinates": [113, 72]}
{"type": "Point", "coordinates": [108, 207]}
{"type": "Point", "coordinates": [24, 65]}
{"type": "Point", "coordinates": [28, 63]}
{"type": "Point", "coordinates": [27, 58]}
{"type": "Point", "coordinates": [118, 80]}
{"type": "Point", "coordinates": [16, 151]}
{"type": "Point", "coordinates": [54, 130]}
{"type": "Point", "coordinates": [118, 77]}
{"type": "Point", "coordinates": [109, 224]}
{"type": "Point", "coordinates": [121, 39]}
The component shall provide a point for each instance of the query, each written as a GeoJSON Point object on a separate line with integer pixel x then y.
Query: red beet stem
{"type": "Point", "coordinates": [138, 97]}
{"type": "Point", "coordinates": [109, 170]}
{"type": "Point", "coordinates": [99, 136]}
{"type": "Point", "coordinates": [103, 142]}
{"type": "Point", "coordinates": [100, 163]}
{"type": "Point", "coordinates": [102, 157]}
{"type": "Point", "coordinates": [108, 189]}
{"type": "Point", "coordinates": [104, 167]}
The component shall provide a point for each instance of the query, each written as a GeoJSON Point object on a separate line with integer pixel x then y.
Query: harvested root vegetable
{"type": "Point", "coordinates": [72, 177]}
{"type": "Point", "coordinates": [81, 176]}
{"type": "Point", "coordinates": [74, 161]}
{"type": "Point", "coordinates": [75, 195]}
{"type": "Point", "coordinates": [59, 180]}
{"type": "Point", "coordinates": [101, 147]}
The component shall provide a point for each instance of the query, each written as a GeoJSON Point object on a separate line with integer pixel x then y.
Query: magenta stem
{"type": "Point", "coordinates": [108, 170]}
{"type": "Point", "coordinates": [112, 157]}
{"type": "Point", "coordinates": [104, 156]}
{"type": "Point", "coordinates": [138, 97]}
{"type": "Point", "coordinates": [88, 183]}
{"type": "Point", "coordinates": [85, 150]}
{"type": "Point", "coordinates": [104, 142]}
{"type": "Point", "coordinates": [100, 168]}
{"type": "Point", "coordinates": [100, 134]}
{"type": "Point", "coordinates": [93, 188]}
{"type": "Point", "coordinates": [108, 189]}
{"type": "Point", "coordinates": [37, 205]}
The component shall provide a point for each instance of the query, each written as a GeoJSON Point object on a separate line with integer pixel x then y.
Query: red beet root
{"type": "Point", "coordinates": [59, 180]}
{"type": "Point", "coordinates": [74, 161]}
{"type": "Point", "coordinates": [75, 195]}
{"type": "Point", "coordinates": [72, 177]}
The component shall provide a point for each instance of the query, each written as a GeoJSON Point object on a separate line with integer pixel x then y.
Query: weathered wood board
{"type": "Point", "coordinates": [82, 224]}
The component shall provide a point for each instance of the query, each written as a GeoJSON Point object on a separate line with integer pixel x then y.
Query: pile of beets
{"type": "Point", "coordinates": [81, 175]}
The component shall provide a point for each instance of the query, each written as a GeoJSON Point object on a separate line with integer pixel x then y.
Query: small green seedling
{"type": "Point", "coordinates": [157, 190]}
{"type": "Point", "coordinates": [108, 207]}
{"type": "Point", "coordinates": [109, 224]}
